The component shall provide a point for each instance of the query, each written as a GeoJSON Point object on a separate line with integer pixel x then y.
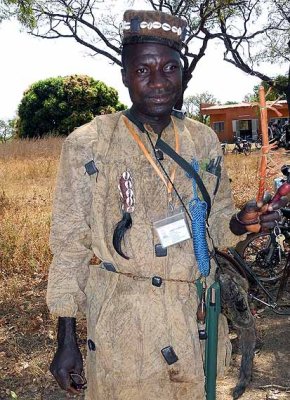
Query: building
{"type": "Point", "coordinates": [241, 120]}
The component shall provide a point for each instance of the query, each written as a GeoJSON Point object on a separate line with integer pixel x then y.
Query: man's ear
{"type": "Point", "coordinates": [124, 77]}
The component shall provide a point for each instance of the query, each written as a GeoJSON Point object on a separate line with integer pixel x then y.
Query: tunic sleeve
{"type": "Point", "coordinates": [70, 238]}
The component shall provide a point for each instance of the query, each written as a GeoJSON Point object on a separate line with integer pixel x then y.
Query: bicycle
{"type": "Point", "coordinates": [263, 259]}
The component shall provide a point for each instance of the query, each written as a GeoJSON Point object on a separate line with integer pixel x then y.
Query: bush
{"type": "Point", "coordinates": [56, 106]}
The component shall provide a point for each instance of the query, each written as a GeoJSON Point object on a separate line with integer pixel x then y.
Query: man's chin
{"type": "Point", "coordinates": [160, 110]}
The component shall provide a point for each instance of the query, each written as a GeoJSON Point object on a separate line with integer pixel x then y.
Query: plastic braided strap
{"type": "Point", "coordinates": [198, 212]}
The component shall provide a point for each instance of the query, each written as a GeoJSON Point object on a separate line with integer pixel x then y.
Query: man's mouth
{"type": "Point", "coordinates": [160, 99]}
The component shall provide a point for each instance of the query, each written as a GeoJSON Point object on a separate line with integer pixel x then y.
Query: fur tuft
{"type": "Point", "coordinates": [119, 233]}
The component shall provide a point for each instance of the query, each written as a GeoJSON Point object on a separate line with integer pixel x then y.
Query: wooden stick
{"type": "Point", "coordinates": [265, 143]}
{"type": "Point", "coordinates": [278, 387]}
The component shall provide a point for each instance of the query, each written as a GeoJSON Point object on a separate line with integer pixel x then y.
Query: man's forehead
{"type": "Point", "coordinates": [152, 50]}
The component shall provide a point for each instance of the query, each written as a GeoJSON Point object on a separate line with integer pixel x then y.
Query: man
{"type": "Point", "coordinates": [119, 196]}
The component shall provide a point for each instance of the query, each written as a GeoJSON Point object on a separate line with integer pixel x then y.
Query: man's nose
{"type": "Point", "coordinates": [157, 79]}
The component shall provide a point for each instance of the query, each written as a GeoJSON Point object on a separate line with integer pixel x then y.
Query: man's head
{"type": "Point", "coordinates": [152, 68]}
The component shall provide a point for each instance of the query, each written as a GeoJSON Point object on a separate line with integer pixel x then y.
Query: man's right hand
{"type": "Point", "coordinates": [68, 358]}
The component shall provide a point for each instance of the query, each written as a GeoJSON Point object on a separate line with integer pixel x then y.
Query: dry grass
{"type": "Point", "coordinates": [27, 332]}
{"type": "Point", "coordinates": [243, 173]}
{"type": "Point", "coordinates": [27, 177]}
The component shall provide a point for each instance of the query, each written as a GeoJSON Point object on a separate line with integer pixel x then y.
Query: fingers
{"type": "Point", "coordinates": [253, 228]}
{"type": "Point", "coordinates": [282, 202]}
{"type": "Point", "coordinates": [249, 213]}
{"type": "Point", "coordinates": [273, 216]}
{"type": "Point", "coordinates": [63, 379]}
{"type": "Point", "coordinates": [62, 376]}
{"type": "Point", "coordinates": [269, 221]}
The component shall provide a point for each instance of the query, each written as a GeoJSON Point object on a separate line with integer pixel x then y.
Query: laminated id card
{"type": "Point", "coordinates": [172, 229]}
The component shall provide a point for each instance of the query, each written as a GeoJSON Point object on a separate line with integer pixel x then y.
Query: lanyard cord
{"type": "Point", "coordinates": [169, 183]}
{"type": "Point", "coordinates": [133, 133]}
{"type": "Point", "coordinates": [168, 177]}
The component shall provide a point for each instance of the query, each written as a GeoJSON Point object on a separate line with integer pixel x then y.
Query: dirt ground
{"type": "Point", "coordinates": [27, 342]}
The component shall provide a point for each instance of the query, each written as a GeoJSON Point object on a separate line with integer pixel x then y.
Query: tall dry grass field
{"type": "Point", "coordinates": [243, 172]}
{"type": "Point", "coordinates": [27, 332]}
{"type": "Point", "coordinates": [27, 177]}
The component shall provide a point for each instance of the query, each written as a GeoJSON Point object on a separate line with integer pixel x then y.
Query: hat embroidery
{"type": "Point", "coordinates": [135, 26]}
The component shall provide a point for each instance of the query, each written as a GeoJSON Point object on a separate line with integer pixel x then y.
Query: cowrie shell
{"type": "Point", "coordinates": [126, 25]}
{"type": "Point", "coordinates": [126, 175]}
{"type": "Point", "coordinates": [129, 201]}
{"type": "Point", "coordinates": [129, 193]}
{"type": "Point", "coordinates": [128, 184]}
{"type": "Point", "coordinates": [166, 27]}
{"type": "Point", "coordinates": [174, 29]}
{"type": "Point", "coordinates": [156, 25]}
{"type": "Point", "coordinates": [143, 25]}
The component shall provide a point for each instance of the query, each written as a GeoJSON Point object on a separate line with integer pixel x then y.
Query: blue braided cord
{"type": "Point", "coordinates": [198, 212]}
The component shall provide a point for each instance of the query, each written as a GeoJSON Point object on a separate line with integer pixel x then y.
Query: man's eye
{"type": "Point", "coordinates": [171, 67]}
{"type": "Point", "coordinates": [142, 70]}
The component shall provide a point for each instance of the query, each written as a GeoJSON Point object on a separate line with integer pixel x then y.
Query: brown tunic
{"type": "Point", "coordinates": [129, 319]}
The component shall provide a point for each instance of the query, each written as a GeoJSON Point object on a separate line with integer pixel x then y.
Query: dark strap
{"type": "Point", "coordinates": [177, 158]}
{"type": "Point", "coordinates": [160, 144]}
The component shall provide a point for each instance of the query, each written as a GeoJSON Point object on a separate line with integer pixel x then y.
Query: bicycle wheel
{"type": "Point", "coordinates": [227, 263]}
{"type": "Point", "coordinates": [247, 150]}
{"type": "Point", "coordinates": [261, 252]}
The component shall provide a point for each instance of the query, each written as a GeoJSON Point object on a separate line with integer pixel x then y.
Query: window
{"type": "Point", "coordinates": [219, 127]}
{"type": "Point", "coordinates": [244, 125]}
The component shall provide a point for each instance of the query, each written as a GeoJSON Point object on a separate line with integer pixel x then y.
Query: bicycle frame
{"type": "Point", "coordinates": [253, 278]}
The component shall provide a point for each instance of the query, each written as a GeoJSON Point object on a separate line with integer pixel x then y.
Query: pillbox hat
{"type": "Point", "coordinates": [143, 26]}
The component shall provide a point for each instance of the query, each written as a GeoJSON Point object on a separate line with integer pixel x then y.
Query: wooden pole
{"type": "Point", "coordinates": [265, 143]}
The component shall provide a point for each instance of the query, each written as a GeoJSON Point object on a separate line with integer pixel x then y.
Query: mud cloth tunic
{"type": "Point", "coordinates": [129, 319]}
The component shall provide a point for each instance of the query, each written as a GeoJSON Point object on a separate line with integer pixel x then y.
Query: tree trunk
{"type": "Point", "coordinates": [185, 79]}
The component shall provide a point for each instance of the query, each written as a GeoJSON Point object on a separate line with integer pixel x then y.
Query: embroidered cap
{"type": "Point", "coordinates": [143, 26]}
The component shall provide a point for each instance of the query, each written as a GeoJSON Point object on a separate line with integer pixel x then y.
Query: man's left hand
{"type": "Point", "coordinates": [260, 216]}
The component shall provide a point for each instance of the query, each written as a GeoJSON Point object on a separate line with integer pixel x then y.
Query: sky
{"type": "Point", "coordinates": [26, 59]}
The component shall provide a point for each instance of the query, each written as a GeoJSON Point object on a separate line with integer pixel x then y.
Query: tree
{"type": "Point", "coordinates": [262, 35]}
{"type": "Point", "coordinates": [6, 130]}
{"type": "Point", "coordinates": [58, 105]}
{"type": "Point", "coordinates": [21, 9]}
{"type": "Point", "coordinates": [92, 24]}
{"type": "Point", "coordinates": [272, 92]}
{"type": "Point", "coordinates": [192, 105]}
{"type": "Point", "coordinates": [234, 22]}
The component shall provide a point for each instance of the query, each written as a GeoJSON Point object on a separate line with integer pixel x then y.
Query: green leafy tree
{"type": "Point", "coordinates": [271, 90]}
{"type": "Point", "coordinates": [193, 104]}
{"type": "Point", "coordinates": [6, 129]}
{"type": "Point", "coordinates": [22, 10]}
{"type": "Point", "coordinates": [58, 105]}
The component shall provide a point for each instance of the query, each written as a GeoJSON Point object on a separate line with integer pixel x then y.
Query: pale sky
{"type": "Point", "coordinates": [26, 59]}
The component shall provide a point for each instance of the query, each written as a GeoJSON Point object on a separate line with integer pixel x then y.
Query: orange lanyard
{"type": "Point", "coordinates": [146, 153]}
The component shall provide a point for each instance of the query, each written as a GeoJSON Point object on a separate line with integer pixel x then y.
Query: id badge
{"type": "Point", "coordinates": [172, 229]}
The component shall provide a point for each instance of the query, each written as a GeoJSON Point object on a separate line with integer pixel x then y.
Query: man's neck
{"type": "Point", "coordinates": [156, 123]}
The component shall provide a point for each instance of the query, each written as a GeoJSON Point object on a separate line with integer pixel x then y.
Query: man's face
{"type": "Point", "coordinates": [153, 75]}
